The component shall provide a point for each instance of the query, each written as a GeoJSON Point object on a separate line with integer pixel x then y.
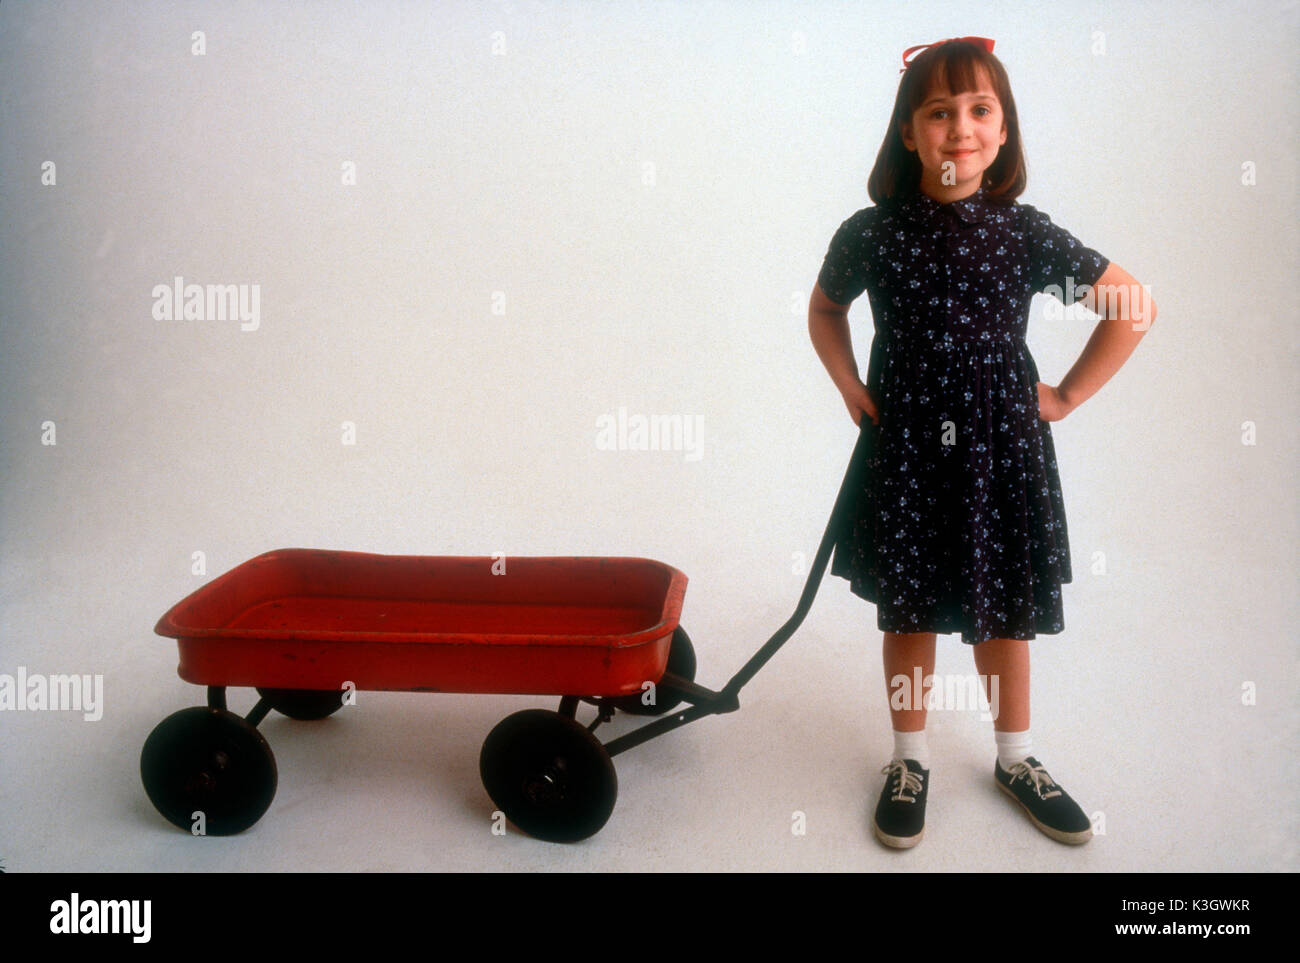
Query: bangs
{"type": "Point", "coordinates": [961, 72]}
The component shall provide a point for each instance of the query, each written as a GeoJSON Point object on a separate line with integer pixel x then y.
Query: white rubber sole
{"type": "Point", "coordinates": [1071, 839]}
{"type": "Point", "coordinates": [897, 842]}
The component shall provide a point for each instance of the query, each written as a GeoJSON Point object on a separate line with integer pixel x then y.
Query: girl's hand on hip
{"type": "Point", "coordinates": [1051, 406]}
{"type": "Point", "coordinates": [860, 404]}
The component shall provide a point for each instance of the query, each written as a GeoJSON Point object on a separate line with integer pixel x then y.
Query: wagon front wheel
{"type": "Point", "coordinates": [549, 775]}
{"type": "Point", "coordinates": [304, 704]}
{"type": "Point", "coordinates": [209, 761]}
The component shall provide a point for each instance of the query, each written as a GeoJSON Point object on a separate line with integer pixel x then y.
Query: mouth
{"type": "Point", "coordinates": [960, 153]}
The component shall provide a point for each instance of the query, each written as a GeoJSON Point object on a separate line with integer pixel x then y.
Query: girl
{"type": "Point", "coordinates": [960, 522]}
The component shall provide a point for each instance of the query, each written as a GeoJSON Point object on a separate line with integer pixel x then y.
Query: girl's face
{"type": "Point", "coordinates": [956, 138]}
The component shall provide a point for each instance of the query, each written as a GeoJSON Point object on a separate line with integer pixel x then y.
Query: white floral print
{"type": "Point", "coordinates": [959, 522]}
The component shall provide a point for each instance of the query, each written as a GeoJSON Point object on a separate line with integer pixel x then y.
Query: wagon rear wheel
{"type": "Point", "coordinates": [304, 704]}
{"type": "Point", "coordinates": [210, 761]}
{"type": "Point", "coordinates": [681, 663]}
{"type": "Point", "coordinates": [550, 776]}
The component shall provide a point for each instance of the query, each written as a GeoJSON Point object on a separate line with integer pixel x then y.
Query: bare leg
{"type": "Point", "coordinates": [1007, 661]}
{"type": "Point", "coordinates": [904, 652]}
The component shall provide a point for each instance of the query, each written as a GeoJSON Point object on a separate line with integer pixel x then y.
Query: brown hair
{"type": "Point", "coordinates": [955, 65]}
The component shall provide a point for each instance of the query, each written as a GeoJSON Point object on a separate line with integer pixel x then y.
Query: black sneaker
{"type": "Point", "coordinates": [900, 814]}
{"type": "Point", "coordinates": [1048, 805]}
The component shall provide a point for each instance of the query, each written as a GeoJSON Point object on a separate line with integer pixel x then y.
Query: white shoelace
{"type": "Point", "coordinates": [1036, 776]}
{"type": "Point", "coordinates": [905, 780]}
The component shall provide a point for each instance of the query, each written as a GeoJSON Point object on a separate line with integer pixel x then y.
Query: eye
{"type": "Point", "coordinates": [981, 110]}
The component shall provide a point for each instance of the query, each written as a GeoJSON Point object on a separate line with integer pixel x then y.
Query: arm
{"type": "Point", "coordinates": [1126, 312]}
{"type": "Point", "coordinates": [828, 326]}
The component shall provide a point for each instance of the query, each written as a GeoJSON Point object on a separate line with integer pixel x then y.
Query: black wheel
{"type": "Point", "coordinates": [550, 776]}
{"type": "Point", "coordinates": [681, 662]}
{"type": "Point", "coordinates": [304, 704]}
{"type": "Point", "coordinates": [211, 761]}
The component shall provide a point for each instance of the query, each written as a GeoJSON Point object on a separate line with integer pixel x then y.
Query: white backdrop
{"type": "Point", "coordinates": [565, 209]}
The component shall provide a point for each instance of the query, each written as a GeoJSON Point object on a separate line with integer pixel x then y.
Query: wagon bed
{"type": "Point", "coordinates": [316, 618]}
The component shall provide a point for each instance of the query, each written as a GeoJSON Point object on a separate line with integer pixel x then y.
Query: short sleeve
{"type": "Point", "coordinates": [1060, 264]}
{"type": "Point", "coordinates": [847, 268]}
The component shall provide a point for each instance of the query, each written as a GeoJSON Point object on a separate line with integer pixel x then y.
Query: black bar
{"type": "Point", "coordinates": [1081, 908]}
{"type": "Point", "coordinates": [217, 696]}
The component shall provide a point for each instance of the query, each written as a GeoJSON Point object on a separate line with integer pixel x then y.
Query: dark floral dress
{"type": "Point", "coordinates": [959, 522]}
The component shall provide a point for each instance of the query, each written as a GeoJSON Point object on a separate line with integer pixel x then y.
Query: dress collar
{"type": "Point", "coordinates": [925, 209]}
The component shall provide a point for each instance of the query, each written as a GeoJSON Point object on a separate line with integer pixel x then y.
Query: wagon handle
{"type": "Point", "coordinates": [852, 480]}
{"type": "Point", "coordinates": [708, 703]}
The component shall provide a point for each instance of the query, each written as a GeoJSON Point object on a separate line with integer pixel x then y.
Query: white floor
{"type": "Point", "coordinates": [1183, 775]}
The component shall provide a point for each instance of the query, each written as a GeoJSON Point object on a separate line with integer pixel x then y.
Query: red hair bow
{"type": "Point", "coordinates": [984, 42]}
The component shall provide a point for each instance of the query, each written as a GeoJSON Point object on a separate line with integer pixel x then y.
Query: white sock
{"type": "Point", "coordinates": [1013, 747]}
{"type": "Point", "coordinates": [911, 745]}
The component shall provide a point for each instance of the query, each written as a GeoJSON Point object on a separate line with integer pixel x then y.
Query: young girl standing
{"type": "Point", "coordinates": [960, 522]}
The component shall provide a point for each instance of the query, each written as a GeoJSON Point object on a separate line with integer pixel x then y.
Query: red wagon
{"type": "Point", "coordinates": [307, 627]}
